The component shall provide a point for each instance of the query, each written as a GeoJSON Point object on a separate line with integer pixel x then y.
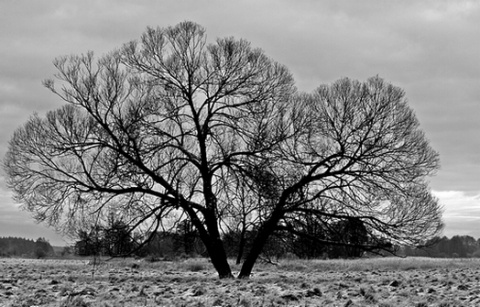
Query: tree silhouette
{"type": "Point", "coordinates": [159, 128]}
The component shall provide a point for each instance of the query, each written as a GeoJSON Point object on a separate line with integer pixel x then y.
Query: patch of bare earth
{"type": "Point", "coordinates": [28, 283]}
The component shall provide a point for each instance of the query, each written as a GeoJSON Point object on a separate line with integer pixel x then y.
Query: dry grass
{"type": "Point", "coordinates": [369, 264]}
{"type": "Point", "coordinates": [384, 282]}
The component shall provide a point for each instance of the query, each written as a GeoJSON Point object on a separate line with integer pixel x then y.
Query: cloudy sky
{"type": "Point", "coordinates": [429, 48]}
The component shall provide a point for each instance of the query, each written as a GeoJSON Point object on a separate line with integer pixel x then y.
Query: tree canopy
{"type": "Point", "coordinates": [172, 127]}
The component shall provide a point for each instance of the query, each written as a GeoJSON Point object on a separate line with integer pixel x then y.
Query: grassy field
{"type": "Point", "coordinates": [384, 282]}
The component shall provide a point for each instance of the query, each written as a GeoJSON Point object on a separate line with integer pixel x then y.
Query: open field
{"type": "Point", "coordinates": [382, 282]}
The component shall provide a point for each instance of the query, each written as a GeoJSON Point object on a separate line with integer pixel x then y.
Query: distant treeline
{"type": "Point", "coordinates": [20, 247]}
{"type": "Point", "coordinates": [443, 247]}
{"type": "Point", "coordinates": [185, 242]}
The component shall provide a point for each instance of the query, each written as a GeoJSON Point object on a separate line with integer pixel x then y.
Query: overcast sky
{"type": "Point", "coordinates": [431, 49]}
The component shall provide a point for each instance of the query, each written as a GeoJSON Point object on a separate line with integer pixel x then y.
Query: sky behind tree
{"type": "Point", "coordinates": [429, 48]}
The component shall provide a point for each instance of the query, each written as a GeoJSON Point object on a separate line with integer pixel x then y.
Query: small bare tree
{"type": "Point", "coordinates": [159, 128]}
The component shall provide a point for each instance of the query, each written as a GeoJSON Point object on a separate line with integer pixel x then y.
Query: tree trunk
{"type": "Point", "coordinates": [217, 254]}
{"type": "Point", "coordinates": [215, 247]}
{"type": "Point", "coordinates": [210, 237]}
{"type": "Point", "coordinates": [219, 259]}
{"type": "Point", "coordinates": [257, 246]}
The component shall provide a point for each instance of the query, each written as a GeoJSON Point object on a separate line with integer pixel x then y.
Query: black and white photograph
{"type": "Point", "coordinates": [240, 153]}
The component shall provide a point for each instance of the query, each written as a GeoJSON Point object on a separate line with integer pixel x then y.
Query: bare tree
{"type": "Point", "coordinates": [159, 128]}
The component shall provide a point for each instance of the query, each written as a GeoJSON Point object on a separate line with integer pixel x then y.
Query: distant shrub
{"type": "Point", "coordinates": [476, 254]}
{"type": "Point", "coordinates": [40, 253]}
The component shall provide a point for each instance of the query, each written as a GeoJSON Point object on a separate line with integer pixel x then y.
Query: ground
{"type": "Point", "coordinates": [383, 282]}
